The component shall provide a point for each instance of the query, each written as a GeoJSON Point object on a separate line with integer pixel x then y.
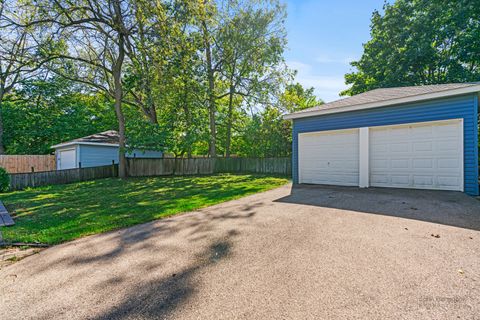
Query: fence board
{"type": "Point", "coordinates": [19, 181]}
{"type": "Point", "coordinates": [144, 167]}
{"type": "Point", "coordinates": [24, 163]}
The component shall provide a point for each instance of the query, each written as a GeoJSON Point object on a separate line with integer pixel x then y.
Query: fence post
{"type": "Point", "coordinates": [33, 169]}
{"type": "Point", "coordinates": [113, 168]}
{"type": "Point", "coordinates": [32, 180]}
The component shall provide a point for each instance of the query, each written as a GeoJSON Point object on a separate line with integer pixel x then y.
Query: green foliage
{"type": "Point", "coordinates": [4, 180]}
{"type": "Point", "coordinates": [144, 135]}
{"type": "Point", "coordinates": [265, 135]}
{"type": "Point", "coordinates": [49, 111]}
{"type": "Point", "coordinates": [65, 212]}
{"type": "Point", "coordinates": [420, 42]}
{"type": "Point", "coordinates": [296, 98]}
{"type": "Point", "coordinates": [166, 94]}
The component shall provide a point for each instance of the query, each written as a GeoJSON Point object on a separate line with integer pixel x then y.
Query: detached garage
{"type": "Point", "coordinates": [98, 149]}
{"type": "Point", "coordinates": [423, 137]}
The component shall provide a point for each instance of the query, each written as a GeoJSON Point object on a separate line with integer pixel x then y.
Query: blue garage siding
{"type": "Point", "coordinates": [94, 156]}
{"type": "Point", "coordinates": [465, 107]}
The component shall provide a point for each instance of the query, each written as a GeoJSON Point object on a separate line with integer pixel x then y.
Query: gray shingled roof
{"type": "Point", "coordinates": [110, 137]}
{"type": "Point", "coordinates": [386, 94]}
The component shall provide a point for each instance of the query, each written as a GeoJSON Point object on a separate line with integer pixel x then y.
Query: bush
{"type": "Point", "coordinates": [4, 180]}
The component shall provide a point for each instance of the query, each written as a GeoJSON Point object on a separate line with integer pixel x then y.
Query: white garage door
{"type": "Point", "coordinates": [329, 157]}
{"type": "Point", "coordinates": [67, 159]}
{"type": "Point", "coordinates": [421, 156]}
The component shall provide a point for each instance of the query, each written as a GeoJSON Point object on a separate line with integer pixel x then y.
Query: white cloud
{"type": "Point", "coordinates": [326, 87]}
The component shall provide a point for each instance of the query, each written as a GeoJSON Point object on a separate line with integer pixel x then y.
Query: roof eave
{"type": "Point", "coordinates": [66, 144]}
{"type": "Point", "coordinates": [386, 103]}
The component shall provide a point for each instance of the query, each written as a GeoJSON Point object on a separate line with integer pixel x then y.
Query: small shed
{"type": "Point", "coordinates": [95, 150]}
{"type": "Point", "coordinates": [420, 137]}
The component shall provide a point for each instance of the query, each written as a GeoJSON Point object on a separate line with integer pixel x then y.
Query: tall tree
{"type": "Point", "coordinates": [18, 52]}
{"type": "Point", "coordinates": [208, 24]}
{"type": "Point", "coordinates": [95, 35]}
{"type": "Point", "coordinates": [251, 43]}
{"type": "Point", "coordinates": [418, 42]}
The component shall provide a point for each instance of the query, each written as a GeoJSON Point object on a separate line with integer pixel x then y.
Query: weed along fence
{"type": "Point", "coordinates": [27, 163]}
{"type": "Point", "coordinates": [143, 167]}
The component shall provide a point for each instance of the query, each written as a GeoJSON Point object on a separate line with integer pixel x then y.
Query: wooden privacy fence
{"type": "Point", "coordinates": [19, 181]}
{"type": "Point", "coordinates": [25, 163]}
{"type": "Point", "coordinates": [143, 167]}
{"type": "Point", "coordinates": [282, 166]}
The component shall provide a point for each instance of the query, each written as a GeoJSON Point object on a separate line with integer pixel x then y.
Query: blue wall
{"type": "Point", "coordinates": [93, 156]}
{"type": "Point", "coordinates": [465, 107]}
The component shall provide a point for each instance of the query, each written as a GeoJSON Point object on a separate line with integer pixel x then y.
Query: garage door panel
{"type": "Point", "coordinates": [379, 179]}
{"type": "Point", "coordinates": [448, 181]}
{"type": "Point", "coordinates": [329, 157]}
{"type": "Point", "coordinates": [448, 145]}
{"type": "Point", "coordinates": [399, 164]}
{"type": "Point", "coordinates": [67, 159]}
{"type": "Point", "coordinates": [380, 164]}
{"type": "Point", "coordinates": [422, 163]}
{"type": "Point", "coordinates": [399, 147]}
{"type": "Point", "coordinates": [423, 146]}
{"type": "Point", "coordinates": [447, 131]}
{"type": "Point", "coordinates": [426, 156]}
{"type": "Point", "coordinates": [423, 181]}
{"type": "Point", "coordinates": [452, 163]}
{"type": "Point", "coordinates": [400, 179]}
{"type": "Point", "coordinates": [331, 178]}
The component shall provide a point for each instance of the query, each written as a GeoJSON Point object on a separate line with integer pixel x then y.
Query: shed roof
{"type": "Point", "coordinates": [389, 96]}
{"type": "Point", "coordinates": [106, 138]}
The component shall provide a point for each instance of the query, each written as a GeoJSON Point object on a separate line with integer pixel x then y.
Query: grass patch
{"type": "Point", "coordinates": [60, 213]}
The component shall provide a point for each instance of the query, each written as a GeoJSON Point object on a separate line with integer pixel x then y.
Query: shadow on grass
{"type": "Point", "coordinates": [58, 213]}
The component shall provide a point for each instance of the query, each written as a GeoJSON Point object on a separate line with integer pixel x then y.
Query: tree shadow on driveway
{"type": "Point", "coordinates": [146, 271]}
{"type": "Point", "coordinates": [443, 207]}
{"type": "Point", "coordinates": [159, 298]}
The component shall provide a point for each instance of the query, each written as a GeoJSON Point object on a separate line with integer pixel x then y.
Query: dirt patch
{"type": "Point", "coordinates": [11, 255]}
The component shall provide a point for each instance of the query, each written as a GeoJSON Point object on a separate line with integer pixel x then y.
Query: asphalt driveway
{"type": "Point", "coordinates": [306, 253]}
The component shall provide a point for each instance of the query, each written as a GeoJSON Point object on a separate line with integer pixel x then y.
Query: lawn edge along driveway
{"type": "Point", "coordinates": [60, 213]}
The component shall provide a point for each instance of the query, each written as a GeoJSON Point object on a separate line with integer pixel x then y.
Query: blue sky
{"type": "Point", "coordinates": [323, 37]}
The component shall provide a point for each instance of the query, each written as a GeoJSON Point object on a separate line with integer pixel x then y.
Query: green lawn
{"type": "Point", "coordinates": [64, 212]}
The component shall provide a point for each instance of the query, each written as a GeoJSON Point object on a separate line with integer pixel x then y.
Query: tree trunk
{"type": "Point", "coordinates": [2, 147]}
{"type": "Point", "coordinates": [118, 90]}
{"type": "Point", "coordinates": [211, 92]}
{"type": "Point", "coordinates": [118, 94]}
{"type": "Point", "coordinates": [188, 122]}
{"type": "Point", "coordinates": [229, 122]}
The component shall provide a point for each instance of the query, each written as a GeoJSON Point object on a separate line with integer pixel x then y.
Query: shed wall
{"type": "Point", "coordinates": [94, 156]}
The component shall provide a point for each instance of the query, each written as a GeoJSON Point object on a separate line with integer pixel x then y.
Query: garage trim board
{"type": "Point", "coordinates": [420, 155]}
